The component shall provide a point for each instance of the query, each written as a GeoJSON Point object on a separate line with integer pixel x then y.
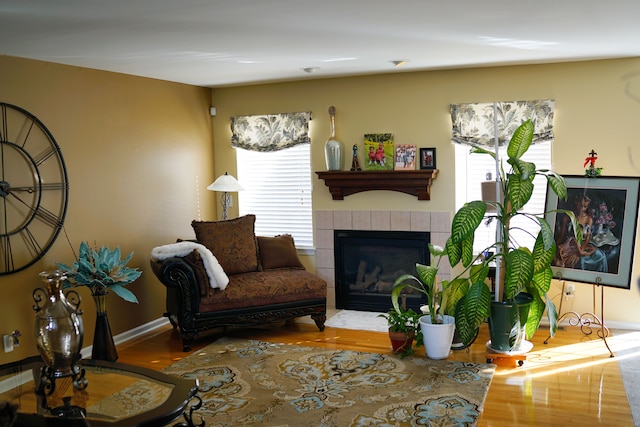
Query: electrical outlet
{"type": "Point", "coordinates": [570, 289]}
{"type": "Point", "coordinates": [8, 343]}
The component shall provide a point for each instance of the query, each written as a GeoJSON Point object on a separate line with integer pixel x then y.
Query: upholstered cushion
{"type": "Point", "coordinates": [278, 252]}
{"type": "Point", "coordinates": [232, 242]}
{"type": "Point", "coordinates": [261, 288]}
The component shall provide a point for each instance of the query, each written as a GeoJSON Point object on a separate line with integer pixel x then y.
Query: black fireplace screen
{"type": "Point", "coordinates": [367, 263]}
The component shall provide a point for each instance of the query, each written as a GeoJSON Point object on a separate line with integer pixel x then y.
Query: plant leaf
{"type": "Point", "coordinates": [472, 311]}
{"type": "Point", "coordinates": [467, 250]}
{"type": "Point", "coordinates": [557, 184]}
{"type": "Point", "coordinates": [398, 286]}
{"type": "Point", "coordinates": [124, 293]}
{"type": "Point", "coordinates": [456, 290]}
{"type": "Point", "coordinates": [427, 274]}
{"type": "Point", "coordinates": [536, 312]}
{"type": "Point", "coordinates": [526, 169]}
{"type": "Point", "coordinates": [454, 252]}
{"type": "Point", "coordinates": [543, 256]}
{"type": "Point", "coordinates": [466, 220]}
{"type": "Point", "coordinates": [519, 191]}
{"type": "Point", "coordinates": [479, 150]}
{"type": "Point", "coordinates": [519, 271]}
{"type": "Point", "coordinates": [542, 280]}
{"type": "Point", "coordinates": [552, 315]}
{"type": "Point", "coordinates": [520, 140]}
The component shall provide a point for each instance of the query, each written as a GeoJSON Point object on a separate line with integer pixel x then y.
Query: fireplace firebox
{"type": "Point", "coordinates": [367, 263]}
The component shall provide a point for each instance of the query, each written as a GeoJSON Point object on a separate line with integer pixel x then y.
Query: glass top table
{"type": "Point", "coordinates": [116, 394]}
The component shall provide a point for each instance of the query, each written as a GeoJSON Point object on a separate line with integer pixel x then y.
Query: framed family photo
{"type": "Point", "coordinates": [427, 158]}
{"type": "Point", "coordinates": [606, 210]}
{"type": "Point", "coordinates": [379, 151]}
{"type": "Point", "coordinates": [405, 157]}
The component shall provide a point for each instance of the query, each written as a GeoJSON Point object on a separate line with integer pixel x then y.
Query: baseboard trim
{"type": "Point", "coordinates": [131, 334]}
{"type": "Point", "coordinates": [629, 326]}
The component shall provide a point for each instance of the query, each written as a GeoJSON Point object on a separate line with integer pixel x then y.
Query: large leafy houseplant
{"type": "Point", "coordinates": [102, 270]}
{"type": "Point", "coordinates": [520, 269]}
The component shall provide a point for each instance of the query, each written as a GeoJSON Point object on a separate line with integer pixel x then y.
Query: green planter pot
{"type": "Point", "coordinates": [507, 322]}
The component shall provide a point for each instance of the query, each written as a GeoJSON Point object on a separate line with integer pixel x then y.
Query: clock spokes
{"type": "Point", "coordinates": [5, 188]}
{"type": "Point", "coordinates": [33, 189]}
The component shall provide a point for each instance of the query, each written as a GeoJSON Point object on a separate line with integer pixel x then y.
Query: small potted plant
{"type": "Point", "coordinates": [403, 329]}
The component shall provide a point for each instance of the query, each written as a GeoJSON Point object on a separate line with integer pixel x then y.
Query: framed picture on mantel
{"type": "Point", "coordinates": [427, 158]}
{"type": "Point", "coordinates": [405, 157]}
{"type": "Point", "coordinates": [379, 151]}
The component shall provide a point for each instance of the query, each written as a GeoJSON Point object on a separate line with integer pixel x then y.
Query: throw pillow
{"type": "Point", "coordinates": [232, 242]}
{"type": "Point", "coordinates": [278, 252]}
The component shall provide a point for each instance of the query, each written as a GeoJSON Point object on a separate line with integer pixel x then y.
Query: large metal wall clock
{"type": "Point", "coordinates": [33, 189]}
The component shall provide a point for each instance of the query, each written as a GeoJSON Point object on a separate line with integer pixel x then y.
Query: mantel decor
{"type": "Point", "coordinates": [416, 183]}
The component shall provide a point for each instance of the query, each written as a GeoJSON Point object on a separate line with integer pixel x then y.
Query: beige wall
{"type": "Point", "coordinates": [597, 106]}
{"type": "Point", "coordinates": [139, 157]}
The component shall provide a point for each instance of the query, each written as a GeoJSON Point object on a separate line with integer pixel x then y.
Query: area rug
{"type": "Point", "coordinates": [359, 320]}
{"type": "Point", "coordinates": [250, 382]}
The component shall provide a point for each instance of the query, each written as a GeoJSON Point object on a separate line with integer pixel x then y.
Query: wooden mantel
{"type": "Point", "coordinates": [417, 183]}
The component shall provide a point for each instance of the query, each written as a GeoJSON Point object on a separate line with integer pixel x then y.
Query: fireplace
{"type": "Point", "coordinates": [367, 263]}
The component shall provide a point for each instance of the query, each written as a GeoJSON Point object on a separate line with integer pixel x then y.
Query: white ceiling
{"type": "Point", "coordinates": [218, 43]}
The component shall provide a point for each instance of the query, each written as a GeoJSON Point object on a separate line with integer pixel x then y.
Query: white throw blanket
{"type": "Point", "coordinates": [217, 277]}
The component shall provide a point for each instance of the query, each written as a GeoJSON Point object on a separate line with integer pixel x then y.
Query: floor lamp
{"type": "Point", "coordinates": [225, 183]}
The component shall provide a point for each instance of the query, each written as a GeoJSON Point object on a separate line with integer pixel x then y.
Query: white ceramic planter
{"type": "Point", "coordinates": [437, 337]}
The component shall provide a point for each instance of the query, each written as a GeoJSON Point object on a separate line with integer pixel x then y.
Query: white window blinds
{"type": "Point", "coordinates": [278, 191]}
{"type": "Point", "coordinates": [472, 170]}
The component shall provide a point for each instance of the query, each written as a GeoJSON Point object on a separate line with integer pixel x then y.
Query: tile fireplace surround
{"type": "Point", "coordinates": [437, 223]}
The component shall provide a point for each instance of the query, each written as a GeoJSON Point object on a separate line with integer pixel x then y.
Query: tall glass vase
{"type": "Point", "coordinates": [333, 147]}
{"type": "Point", "coordinates": [333, 155]}
{"type": "Point", "coordinates": [58, 330]}
{"type": "Point", "coordinates": [103, 346]}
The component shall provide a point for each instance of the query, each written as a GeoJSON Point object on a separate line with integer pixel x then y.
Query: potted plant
{"type": "Point", "coordinates": [403, 329]}
{"type": "Point", "coordinates": [102, 270]}
{"type": "Point", "coordinates": [518, 269]}
{"type": "Point", "coordinates": [437, 327]}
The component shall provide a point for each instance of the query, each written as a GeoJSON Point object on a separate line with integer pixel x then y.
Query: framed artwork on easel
{"type": "Point", "coordinates": [606, 209]}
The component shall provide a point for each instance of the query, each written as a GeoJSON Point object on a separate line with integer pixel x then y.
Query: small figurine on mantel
{"type": "Point", "coordinates": [592, 171]}
{"type": "Point", "coordinates": [355, 163]}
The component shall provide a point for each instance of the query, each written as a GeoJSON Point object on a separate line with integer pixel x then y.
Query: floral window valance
{"type": "Point", "coordinates": [473, 124]}
{"type": "Point", "coordinates": [270, 132]}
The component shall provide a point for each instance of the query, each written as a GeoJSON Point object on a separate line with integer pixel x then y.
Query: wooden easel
{"type": "Point", "coordinates": [585, 320]}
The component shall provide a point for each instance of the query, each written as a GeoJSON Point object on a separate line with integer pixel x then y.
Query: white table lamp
{"type": "Point", "coordinates": [225, 183]}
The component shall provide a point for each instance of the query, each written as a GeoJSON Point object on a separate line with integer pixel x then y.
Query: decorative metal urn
{"type": "Point", "coordinates": [58, 331]}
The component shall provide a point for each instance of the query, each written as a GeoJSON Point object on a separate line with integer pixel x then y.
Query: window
{"type": "Point", "coordinates": [278, 191]}
{"type": "Point", "coordinates": [472, 169]}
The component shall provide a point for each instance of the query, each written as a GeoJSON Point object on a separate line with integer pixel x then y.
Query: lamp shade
{"type": "Point", "coordinates": [225, 183]}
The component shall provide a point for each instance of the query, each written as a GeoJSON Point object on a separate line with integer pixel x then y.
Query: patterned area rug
{"type": "Point", "coordinates": [249, 382]}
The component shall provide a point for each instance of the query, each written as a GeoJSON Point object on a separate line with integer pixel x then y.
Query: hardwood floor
{"type": "Point", "coordinates": [572, 380]}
